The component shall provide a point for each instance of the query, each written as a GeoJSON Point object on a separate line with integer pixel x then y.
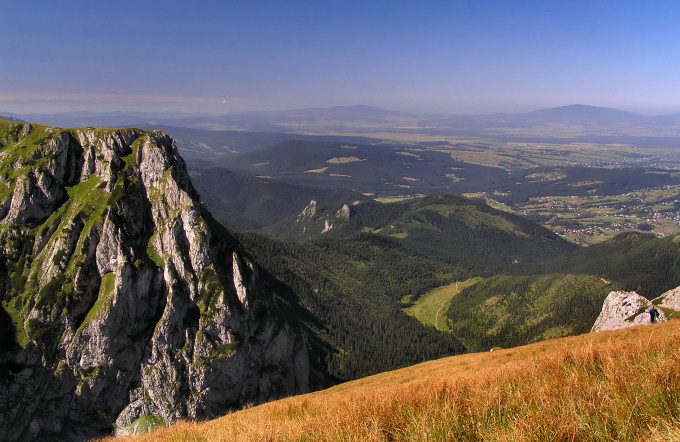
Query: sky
{"type": "Point", "coordinates": [455, 56]}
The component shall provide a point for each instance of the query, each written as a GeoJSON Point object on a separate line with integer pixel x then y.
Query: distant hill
{"type": "Point", "coordinates": [368, 119]}
{"type": "Point", "coordinates": [214, 145]}
{"type": "Point", "coordinates": [637, 261]}
{"type": "Point", "coordinates": [342, 113]}
{"type": "Point", "coordinates": [11, 119]}
{"type": "Point", "coordinates": [390, 169]}
{"type": "Point", "coordinates": [250, 203]}
{"type": "Point", "coordinates": [382, 169]}
{"type": "Point", "coordinates": [579, 114]}
{"type": "Point", "coordinates": [449, 227]}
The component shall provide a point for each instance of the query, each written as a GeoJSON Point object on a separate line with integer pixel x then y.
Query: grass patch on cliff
{"type": "Point", "coordinates": [18, 321]}
{"type": "Point", "coordinates": [620, 385]}
{"type": "Point", "coordinates": [153, 254]}
{"type": "Point", "coordinates": [19, 145]}
{"type": "Point", "coordinates": [144, 424]}
{"type": "Point", "coordinates": [105, 297]}
{"type": "Point", "coordinates": [221, 351]}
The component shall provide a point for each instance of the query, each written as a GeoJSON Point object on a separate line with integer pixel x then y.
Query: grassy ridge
{"type": "Point", "coordinates": [447, 227]}
{"type": "Point", "coordinates": [622, 385]}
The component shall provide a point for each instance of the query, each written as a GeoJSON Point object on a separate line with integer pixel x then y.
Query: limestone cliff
{"type": "Point", "coordinates": [669, 300]}
{"type": "Point", "coordinates": [121, 297]}
{"type": "Point", "coordinates": [626, 309]}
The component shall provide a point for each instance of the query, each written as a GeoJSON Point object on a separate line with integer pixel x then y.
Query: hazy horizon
{"type": "Point", "coordinates": [185, 114]}
{"type": "Point", "coordinates": [453, 58]}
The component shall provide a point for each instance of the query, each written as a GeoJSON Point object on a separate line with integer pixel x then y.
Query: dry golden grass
{"type": "Point", "coordinates": [622, 385]}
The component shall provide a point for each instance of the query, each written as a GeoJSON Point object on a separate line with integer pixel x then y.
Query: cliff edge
{"type": "Point", "coordinates": [122, 299]}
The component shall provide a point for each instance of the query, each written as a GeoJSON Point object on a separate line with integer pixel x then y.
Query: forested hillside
{"type": "Point", "coordinates": [637, 261]}
{"type": "Point", "coordinates": [354, 286]}
{"type": "Point", "coordinates": [452, 228]}
{"type": "Point", "coordinates": [251, 203]}
{"type": "Point", "coordinates": [507, 311]}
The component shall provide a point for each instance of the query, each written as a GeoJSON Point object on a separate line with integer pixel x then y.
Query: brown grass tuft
{"type": "Point", "coordinates": [622, 385]}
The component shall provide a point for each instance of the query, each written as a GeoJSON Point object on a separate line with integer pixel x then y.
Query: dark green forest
{"type": "Point", "coordinates": [353, 287]}
{"type": "Point", "coordinates": [637, 261]}
{"type": "Point", "coordinates": [384, 256]}
{"type": "Point", "coordinates": [454, 229]}
{"type": "Point", "coordinates": [251, 203]}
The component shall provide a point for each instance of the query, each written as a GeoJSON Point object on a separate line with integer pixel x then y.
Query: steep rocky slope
{"type": "Point", "coordinates": [126, 299]}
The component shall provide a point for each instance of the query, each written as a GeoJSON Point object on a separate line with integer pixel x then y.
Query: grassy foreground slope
{"type": "Point", "coordinates": [622, 385]}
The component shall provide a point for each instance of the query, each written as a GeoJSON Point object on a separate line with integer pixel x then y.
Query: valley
{"type": "Point", "coordinates": [339, 221]}
{"type": "Point", "coordinates": [585, 192]}
{"type": "Point", "coordinates": [328, 258]}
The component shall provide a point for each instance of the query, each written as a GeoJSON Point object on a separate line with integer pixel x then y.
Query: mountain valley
{"type": "Point", "coordinates": [144, 290]}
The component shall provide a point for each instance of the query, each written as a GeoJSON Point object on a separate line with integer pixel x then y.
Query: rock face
{"type": "Point", "coordinates": [669, 300]}
{"type": "Point", "coordinates": [126, 300]}
{"type": "Point", "coordinates": [626, 309]}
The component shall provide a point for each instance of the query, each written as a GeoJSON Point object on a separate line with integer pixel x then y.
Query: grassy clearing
{"type": "Point", "coordinates": [321, 170]}
{"type": "Point", "coordinates": [622, 385]}
{"type": "Point", "coordinates": [343, 160]}
{"type": "Point", "coordinates": [430, 307]}
{"type": "Point", "coordinates": [396, 199]}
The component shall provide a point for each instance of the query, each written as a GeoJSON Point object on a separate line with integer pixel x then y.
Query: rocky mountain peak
{"type": "Point", "coordinates": [127, 300]}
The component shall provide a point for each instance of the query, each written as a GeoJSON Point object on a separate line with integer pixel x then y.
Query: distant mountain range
{"type": "Point", "coordinates": [11, 119]}
{"type": "Point", "coordinates": [369, 119]}
{"type": "Point", "coordinates": [581, 114]}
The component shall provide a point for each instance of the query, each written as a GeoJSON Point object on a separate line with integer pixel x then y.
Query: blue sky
{"type": "Point", "coordinates": [435, 56]}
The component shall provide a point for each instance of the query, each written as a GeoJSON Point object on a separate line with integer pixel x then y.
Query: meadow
{"type": "Point", "coordinates": [431, 307]}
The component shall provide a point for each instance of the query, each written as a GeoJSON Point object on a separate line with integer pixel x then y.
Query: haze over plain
{"type": "Point", "coordinates": [450, 57]}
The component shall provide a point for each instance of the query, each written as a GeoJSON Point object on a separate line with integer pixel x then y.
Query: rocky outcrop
{"type": "Point", "coordinates": [626, 309]}
{"type": "Point", "coordinates": [669, 300]}
{"type": "Point", "coordinates": [128, 301]}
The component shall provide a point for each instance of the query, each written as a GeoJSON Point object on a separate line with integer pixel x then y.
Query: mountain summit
{"type": "Point", "coordinates": [581, 114]}
{"type": "Point", "coordinates": [122, 298]}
